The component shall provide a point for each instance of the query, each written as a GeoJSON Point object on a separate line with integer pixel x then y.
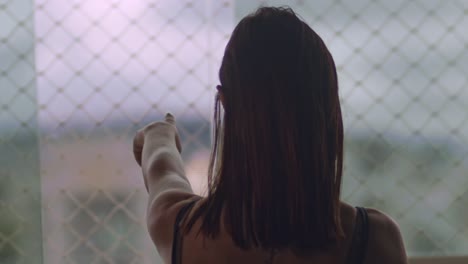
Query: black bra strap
{"type": "Point", "coordinates": [358, 249]}
{"type": "Point", "coordinates": [364, 234]}
{"type": "Point", "coordinates": [177, 238]}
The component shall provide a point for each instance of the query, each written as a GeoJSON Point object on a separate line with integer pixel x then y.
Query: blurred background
{"type": "Point", "coordinates": [78, 78]}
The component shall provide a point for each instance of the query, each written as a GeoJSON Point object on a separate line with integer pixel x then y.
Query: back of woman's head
{"type": "Point", "coordinates": [277, 159]}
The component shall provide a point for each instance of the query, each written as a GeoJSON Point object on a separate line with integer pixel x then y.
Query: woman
{"type": "Point", "coordinates": [276, 165]}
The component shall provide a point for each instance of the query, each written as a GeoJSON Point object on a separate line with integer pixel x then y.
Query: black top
{"type": "Point", "coordinates": [177, 239]}
{"type": "Point", "coordinates": [356, 253]}
{"type": "Point", "coordinates": [358, 248]}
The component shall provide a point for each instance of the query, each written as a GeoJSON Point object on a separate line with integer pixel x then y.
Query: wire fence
{"type": "Point", "coordinates": [79, 77]}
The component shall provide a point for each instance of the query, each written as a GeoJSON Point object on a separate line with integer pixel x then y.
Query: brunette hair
{"type": "Point", "coordinates": [277, 157]}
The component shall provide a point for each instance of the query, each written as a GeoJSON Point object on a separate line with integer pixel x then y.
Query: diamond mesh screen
{"type": "Point", "coordinates": [84, 75]}
{"type": "Point", "coordinates": [105, 69]}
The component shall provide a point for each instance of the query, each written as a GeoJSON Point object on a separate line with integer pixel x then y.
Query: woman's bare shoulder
{"type": "Point", "coordinates": [385, 240]}
{"type": "Point", "coordinates": [161, 225]}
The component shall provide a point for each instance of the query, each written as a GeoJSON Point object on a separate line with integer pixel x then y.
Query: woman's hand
{"type": "Point", "coordinates": [153, 138]}
{"type": "Point", "coordinates": [154, 141]}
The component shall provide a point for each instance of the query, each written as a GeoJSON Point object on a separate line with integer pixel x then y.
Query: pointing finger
{"type": "Point", "coordinates": [170, 119]}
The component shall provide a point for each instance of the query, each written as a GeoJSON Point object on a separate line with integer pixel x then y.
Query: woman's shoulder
{"type": "Point", "coordinates": [385, 242]}
{"type": "Point", "coordinates": [161, 227]}
{"type": "Point", "coordinates": [378, 219]}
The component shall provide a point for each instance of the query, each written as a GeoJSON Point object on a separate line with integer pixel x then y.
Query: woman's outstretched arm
{"type": "Point", "coordinates": [157, 150]}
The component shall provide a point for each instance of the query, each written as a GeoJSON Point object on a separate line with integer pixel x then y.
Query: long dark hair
{"type": "Point", "coordinates": [277, 155]}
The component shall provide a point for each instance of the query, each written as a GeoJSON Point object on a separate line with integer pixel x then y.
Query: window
{"type": "Point", "coordinates": [78, 78]}
{"type": "Point", "coordinates": [103, 227]}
